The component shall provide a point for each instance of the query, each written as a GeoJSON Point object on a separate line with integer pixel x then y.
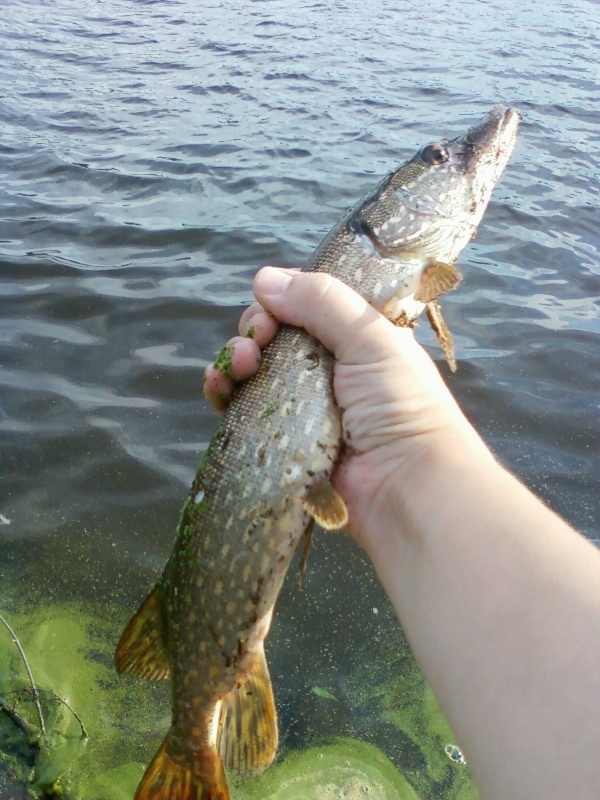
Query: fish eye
{"type": "Point", "coordinates": [434, 154]}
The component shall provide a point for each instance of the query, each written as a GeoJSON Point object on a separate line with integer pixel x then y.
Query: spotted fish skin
{"type": "Point", "coordinates": [244, 516]}
{"type": "Point", "coordinates": [264, 478]}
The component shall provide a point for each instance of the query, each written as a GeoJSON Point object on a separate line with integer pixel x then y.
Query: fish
{"type": "Point", "coordinates": [264, 480]}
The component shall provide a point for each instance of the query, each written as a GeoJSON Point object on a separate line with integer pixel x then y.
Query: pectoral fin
{"type": "Point", "coordinates": [436, 279]}
{"type": "Point", "coordinates": [438, 323]}
{"type": "Point", "coordinates": [325, 505]}
{"type": "Point", "coordinates": [141, 649]}
{"type": "Point", "coordinates": [247, 736]}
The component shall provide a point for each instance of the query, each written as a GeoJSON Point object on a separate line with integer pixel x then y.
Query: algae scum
{"type": "Point", "coordinates": [375, 733]}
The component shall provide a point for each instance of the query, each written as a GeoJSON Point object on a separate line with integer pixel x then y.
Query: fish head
{"type": "Point", "coordinates": [430, 207]}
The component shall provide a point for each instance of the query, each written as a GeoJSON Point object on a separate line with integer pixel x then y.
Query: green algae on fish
{"type": "Point", "coordinates": [266, 411]}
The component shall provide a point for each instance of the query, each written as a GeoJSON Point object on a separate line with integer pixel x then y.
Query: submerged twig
{"type": "Point", "coordinates": [16, 718]}
{"type": "Point", "coordinates": [84, 733]}
{"type": "Point", "coordinates": [34, 689]}
{"type": "Point", "coordinates": [26, 691]}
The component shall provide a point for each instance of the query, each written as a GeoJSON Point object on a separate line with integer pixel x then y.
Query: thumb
{"type": "Point", "coordinates": [329, 310]}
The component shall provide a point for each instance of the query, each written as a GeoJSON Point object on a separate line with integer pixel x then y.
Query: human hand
{"type": "Point", "coordinates": [396, 410]}
{"type": "Point", "coordinates": [239, 359]}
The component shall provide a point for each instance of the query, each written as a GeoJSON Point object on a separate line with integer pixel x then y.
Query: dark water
{"type": "Point", "coordinates": [154, 155]}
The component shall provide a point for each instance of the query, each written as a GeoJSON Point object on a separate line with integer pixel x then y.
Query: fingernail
{"type": "Point", "coordinates": [271, 280]}
{"type": "Point", "coordinates": [250, 327]}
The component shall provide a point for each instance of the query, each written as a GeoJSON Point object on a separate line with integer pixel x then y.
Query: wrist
{"type": "Point", "coordinates": [420, 487]}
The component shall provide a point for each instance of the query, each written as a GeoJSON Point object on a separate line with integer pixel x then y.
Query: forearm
{"type": "Point", "coordinates": [500, 601]}
{"type": "Point", "coordinates": [499, 598]}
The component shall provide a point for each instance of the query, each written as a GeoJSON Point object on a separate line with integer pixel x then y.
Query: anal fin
{"type": "Point", "coordinates": [438, 323]}
{"type": "Point", "coordinates": [141, 649]}
{"type": "Point", "coordinates": [325, 505]}
{"type": "Point", "coordinates": [247, 735]}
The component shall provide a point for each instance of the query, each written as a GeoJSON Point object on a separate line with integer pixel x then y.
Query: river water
{"type": "Point", "coordinates": [155, 154]}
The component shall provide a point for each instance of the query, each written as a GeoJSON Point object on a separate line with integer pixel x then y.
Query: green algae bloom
{"type": "Point", "coordinates": [70, 654]}
{"type": "Point", "coordinates": [346, 770]}
{"type": "Point", "coordinates": [399, 697]}
{"type": "Point", "coordinates": [382, 699]}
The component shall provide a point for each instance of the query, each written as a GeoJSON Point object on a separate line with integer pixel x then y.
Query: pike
{"type": "Point", "coordinates": [264, 479]}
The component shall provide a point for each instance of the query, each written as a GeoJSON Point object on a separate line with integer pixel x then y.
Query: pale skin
{"type": "Point", "coordinates": [498, 596]}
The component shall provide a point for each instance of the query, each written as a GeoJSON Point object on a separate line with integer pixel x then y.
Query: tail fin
{"type": "Point", "coordinates": [176, 776]}
{"type": "Point", "coordinates": [247, 735]}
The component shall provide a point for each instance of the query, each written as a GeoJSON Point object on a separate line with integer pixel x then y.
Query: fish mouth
{"type": "Point", "coordinates": [490, 141]}
{"type": "Point", "coordinates": [506, 134]}
{"type": "Point", "coordinates": [479, 156]}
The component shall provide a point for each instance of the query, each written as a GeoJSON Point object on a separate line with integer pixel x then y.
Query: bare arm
{"type": "Point", "coordinates": [500, 601]}
{"type": "Point", "coordinates": [499, 597]}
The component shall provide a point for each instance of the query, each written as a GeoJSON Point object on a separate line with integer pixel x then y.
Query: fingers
{"type": "Point", "coordinates": [240, 358]}
{"type": "Point", "coordinates": [248, 313]}
{"type": "Point", "coordinates": [258, 324]}
{"type": "Point", "coordinates": [237, 361]}
{"type": "Point", "coordinates": [217, 388]}
{"type": "Point", "coordinates": [329, 310]}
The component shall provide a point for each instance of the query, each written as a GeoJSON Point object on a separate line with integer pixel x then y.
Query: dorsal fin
{"type": "Point", "coordinates": [141, 649]}
{"type": "Point", "coordinates": [247, 735]}
{"type": "Point", "coordinates": [325, 505]}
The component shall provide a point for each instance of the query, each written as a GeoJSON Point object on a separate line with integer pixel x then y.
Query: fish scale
{"type": "Point", "coordinates": [264, 479]}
